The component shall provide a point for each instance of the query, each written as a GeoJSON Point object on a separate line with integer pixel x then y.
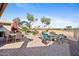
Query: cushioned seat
{"type": "Point", "coordinates": [45, 36]}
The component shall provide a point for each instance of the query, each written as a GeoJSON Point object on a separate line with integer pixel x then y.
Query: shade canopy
{"type": "Point", "coordinates": [2, 8]}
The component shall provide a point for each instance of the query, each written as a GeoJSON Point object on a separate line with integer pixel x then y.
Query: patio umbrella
{"type": "Point", "coordinates": [14, 25]}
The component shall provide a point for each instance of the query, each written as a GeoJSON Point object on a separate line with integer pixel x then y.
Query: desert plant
{"type": "Point", "coordinates": [53, 33]}
{"type": "Point", "coordinates": [34, 33]}
{"type": "Point", "coordinates": [31, 19]}
{"type": "Point", "coordinates": [45, 21]}
{"type": "Point", "coordinates": [68, 28]}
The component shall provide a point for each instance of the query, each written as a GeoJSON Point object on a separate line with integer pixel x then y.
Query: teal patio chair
{"type": "Point", "coordinates": [45, 36]}
{"type": "Point", "coordinates": [61, 38]}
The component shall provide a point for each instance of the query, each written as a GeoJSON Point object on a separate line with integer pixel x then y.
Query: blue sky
{"type": "Point", "coordinates": [61, 14]}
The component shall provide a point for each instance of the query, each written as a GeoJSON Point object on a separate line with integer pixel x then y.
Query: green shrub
{"type": "Point", "coordinates": [53, 33]}
{"type": "Point", "coordinates": [34, 33]}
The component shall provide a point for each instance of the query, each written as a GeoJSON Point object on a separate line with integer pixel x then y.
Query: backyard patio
{"type": "Point", "coordinates": [33, 45]}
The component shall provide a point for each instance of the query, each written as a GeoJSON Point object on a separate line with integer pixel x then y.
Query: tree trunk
{"type": "Point", "coordinates": [30, 26]}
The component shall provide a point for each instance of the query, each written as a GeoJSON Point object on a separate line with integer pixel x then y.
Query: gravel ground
{"type": "Point", "coordinates": [32, 46]}
{"type": "Point", "coordinates": [74, 47]}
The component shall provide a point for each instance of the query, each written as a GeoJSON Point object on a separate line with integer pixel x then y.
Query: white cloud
{"type": "Point", "coordinates": [25, 6]}
{"type": "Point", "coordinates": [60, 22]}
{"type": "Point", "coordinates": [63, 21]}
{"type": "Point", "coordinates": [18, 5]}
{"type": "Point", "coordinates": [21, 4]}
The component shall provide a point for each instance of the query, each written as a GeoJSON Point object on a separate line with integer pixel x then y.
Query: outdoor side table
{"type": "Point", "coordinates": [13, 36]}
{"type": "Point", "coordinates": [52, 37]}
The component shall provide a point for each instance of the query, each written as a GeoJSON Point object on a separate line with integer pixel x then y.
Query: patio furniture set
{"type": "Point", "coordinates": [14, 36]}
{"type": "Point", "coordinates": [10, 36]}
{"type": "Point", "coordinates": [60, 38]}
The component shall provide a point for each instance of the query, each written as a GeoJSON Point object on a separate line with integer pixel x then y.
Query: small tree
{"type": "Point", "coordinates": [45, 21]}
{"type": "Point", "coordinates": [68, 27]}
{"type": "Point", "coordinates": [31, 19]}
{"type": "Point", "coordinates": [25, 26]}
